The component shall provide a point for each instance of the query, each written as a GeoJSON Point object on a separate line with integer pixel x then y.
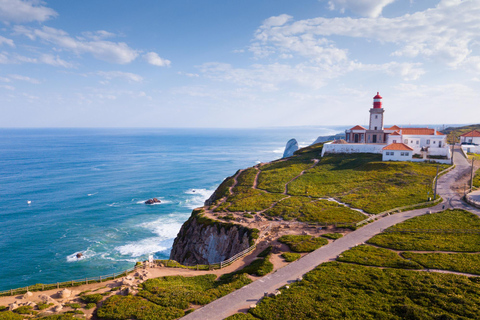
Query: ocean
{"type": "Point", "coordinates": [64, 191]}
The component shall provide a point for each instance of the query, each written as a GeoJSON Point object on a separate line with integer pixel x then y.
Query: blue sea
{"type": "Point", "coordinates": [64, 191]}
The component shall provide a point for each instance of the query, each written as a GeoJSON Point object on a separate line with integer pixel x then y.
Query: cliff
{"type": "Point", "coordinates": [205, 241]}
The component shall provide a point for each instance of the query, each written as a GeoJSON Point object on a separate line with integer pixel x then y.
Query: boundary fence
{"type": "Point", "coordinates": [449, 231]}
{"type": "Point", "coordinates": [67, 284]}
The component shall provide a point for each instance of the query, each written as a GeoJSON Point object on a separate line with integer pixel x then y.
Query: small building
{"type": "Point", "coordinates": [397, 152]}
{"type": "Point", "coordinates": [470, 142]}
{"type": "Point", "coordinates": [472, 137]}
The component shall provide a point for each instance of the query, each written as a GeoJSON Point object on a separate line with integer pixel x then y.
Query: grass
{"type": "Point", "coordinates": [245, 179]}
{"type": "Point", "coordinates": [265, 252]}
{"type": "Point", "coordinates": [181, 292]}
{"type": "Point", "coordinates": [252, 200]}
{"type": "Point", "coordinates": [276, 175]}
{"type": "Point", "coordinates": [91, 298]}
{"type": "Point", "coordinates": [373, 256]}
{"type": "Point", "coordinates": [332, 236]}
{"type": "Point", "coordinates": [321, 211]}
{"type": "Point", "coordinates": [303, 243]}
{"type": "Point", "coordinates": [291, 256]}
{"type": "Point", "coordinates": [476, 179]}
{"type": "Point", "coordinates": [460, 262]}
{"type": "Point", "coordinates": [9, 315]}
{"type": "Point", "coordinates": [258, 267]}
{"type": "Point", "coordinates": [393, 184]}
{"type": "Point", "coordinates": [241, 316]}
{"type": "Point", "coordinates": [344, 291]}
{"type": "Point", "coordinates": [169, 297]}
{"type": "Point", "coordinates": [446, 233]}
{"type": "Point", "coordinates": [134, 307]}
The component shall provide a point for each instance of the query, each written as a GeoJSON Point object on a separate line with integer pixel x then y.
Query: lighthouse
{"type": "Point", "coordinates": [376, 114]}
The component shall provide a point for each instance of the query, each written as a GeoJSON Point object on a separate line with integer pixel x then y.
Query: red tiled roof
{"type": "Point", "coordinates": [393, 128]}
{"type": "Point", "coordinates": [421, 132]}
{"type": "Point", "coordinates": [395, 134]}
{"type": "Point", "coordinates": [398, 146]}
{"type": "Point", "coordinates": [357, 127]}
{"type": "Point", "coordinates": [473, 133]}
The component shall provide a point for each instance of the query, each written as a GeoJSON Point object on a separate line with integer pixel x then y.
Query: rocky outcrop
{"type": "Point", "coordinates": [205, 241]}
{"type": "Point", "coordinates": [152, 201]}
{"type": "Point", "coordinates": [291, 147]}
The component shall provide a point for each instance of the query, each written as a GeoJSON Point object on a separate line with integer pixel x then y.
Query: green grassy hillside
{"type": "Point", "coordinates": [299, 187]}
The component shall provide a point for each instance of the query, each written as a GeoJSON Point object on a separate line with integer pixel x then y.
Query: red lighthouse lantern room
{"type": "Point", "coordinates": [377, 101]}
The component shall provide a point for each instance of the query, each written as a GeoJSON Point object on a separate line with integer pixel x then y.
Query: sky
{"type": "Point", "coordinates": [241, 64]}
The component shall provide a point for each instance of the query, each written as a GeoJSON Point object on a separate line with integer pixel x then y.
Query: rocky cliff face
{"type": "Point", "coordinates": [290, 148]}
{"type": "Point", "coordinates": [205, 241]}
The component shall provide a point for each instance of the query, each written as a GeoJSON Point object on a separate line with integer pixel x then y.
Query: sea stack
{"type": "Point", "coordinates": [290, 148]}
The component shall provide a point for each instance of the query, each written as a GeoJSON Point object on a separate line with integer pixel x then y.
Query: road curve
{"type": "Point", "coordinates": [252, 293]}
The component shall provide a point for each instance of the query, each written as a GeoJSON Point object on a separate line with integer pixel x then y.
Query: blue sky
{"type": "Point", "coordinates": [237, 63]}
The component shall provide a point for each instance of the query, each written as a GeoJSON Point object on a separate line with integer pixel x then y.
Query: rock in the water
{"type": "Point", "coordinates": [79, 255]}
{"type": "Point", "coordinates": [292, 146]}
{"type": "Point", "coordinates": [152, 201]}
{"type": "Point", "coordinates": [65, 293]}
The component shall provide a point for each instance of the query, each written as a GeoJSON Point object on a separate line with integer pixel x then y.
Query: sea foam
{"type": "Point", "coordinates": [198, 197]}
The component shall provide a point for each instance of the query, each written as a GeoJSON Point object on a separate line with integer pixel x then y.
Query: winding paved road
{"type": "Point", "coordinates": [250, 294]}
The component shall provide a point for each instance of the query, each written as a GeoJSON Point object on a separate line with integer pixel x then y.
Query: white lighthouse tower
{"type": "Point", "coordinates": [376, 114]}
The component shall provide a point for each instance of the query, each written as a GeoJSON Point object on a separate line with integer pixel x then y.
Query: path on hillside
{"type": "Point", "coordinates": [242, 298]}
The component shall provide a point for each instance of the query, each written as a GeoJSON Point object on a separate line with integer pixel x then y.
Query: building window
{"type": "Point", "coordinates": [418, 142]}
{"type": "Point", "coordinates": [394, 141]}
{"type": "Point", "coordinates": [406, 141]}
{"type": "Point", "coordinates": [402, 154]}
{"type": "Point", "coordinates": [375, 128]}
{"type": "Point", "coordinates": [434, 142]}
{"type": "Point", "coordinates": [411, 141]}
{"type": "Point", "coordinates": [392, 153]}
{"type": "Point", "coordinates": [376, 116]}
{"type": "Point", "coordinates": [428, 141]}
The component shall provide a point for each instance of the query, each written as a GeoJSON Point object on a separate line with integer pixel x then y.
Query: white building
{"type": "Point", "coordinates": [397, 152]}
{"type": "Point", "coordinates": [470, 141]}
{"type": "Point", "coordinates": [424, 141]}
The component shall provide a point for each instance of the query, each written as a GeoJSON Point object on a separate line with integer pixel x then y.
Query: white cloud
{"type": "Point", "coordinates": [24, 78]}
{"type": "Point", "coordinates": [7, 87]}
{"type": "Point", "coordinates": [190, 75]}
{"type": "Point", "coordinates": [131, 77]}
{"type": "Point", "coordinates": [156, 60]}
{"type": "Point", "coordinates": [114, 52]}
{"type": "Point", "coordinates": [54, 61]}
{"type": "Point", "coordinates": [18, 11]}
{"type": "Point", "coordinates": [447, 33]}
{"type": "Point", "coordinates": [98, 35]}
{"type": "Point", "coordinates": [367, 8]}
{"type": "Point", "coordinates": [7, 41]}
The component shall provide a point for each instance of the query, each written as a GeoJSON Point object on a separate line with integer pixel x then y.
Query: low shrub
{"type": "Point", "coordinates": [44, 305]}
{"type": "Point", "coordinates": [332, 236]}
{"type": "Point", "coordinates": [291, 256]}
{"type": "Point", "coordinates": [303, 243]}
{"type": "Point", "coordinates": [134, 307]}
{"type": "Point", "coordinates": [373, 256]}
{"type": "Point", "coordinates": [90, 305]}
{"type": "Point", "coordinates": [460, 262]}
{"type": "Point", "coordinates": [24, 310]}
{"type": "Point", "coordinates": [265, 252]}
{"type": "Point", "coordinates": [74, 305]}
{"type": "Point", "coordinates": [2, 308]}
{"type": "Point", "coordinates": [247, 215]}
{"type": "Point", "coordinates": [258, 267]}
{"type": "Point", "coordinates": [344, 291]}
{"type": "Point", "coordinates": [92, 298]}
{"type": "Point", "coordinates": [9, 315]}
{"type": "Point", "coordinates": [241, 316]}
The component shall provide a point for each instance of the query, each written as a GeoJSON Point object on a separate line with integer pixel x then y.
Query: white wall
{"type": "Point", "coordinates": [397, 155]}
{"type": "Point", "coordinates": [475, 140]}
{"type": "Point", "coordinates": [352, 148]}
{"type": "Point", "coordinates": [471, 148]}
